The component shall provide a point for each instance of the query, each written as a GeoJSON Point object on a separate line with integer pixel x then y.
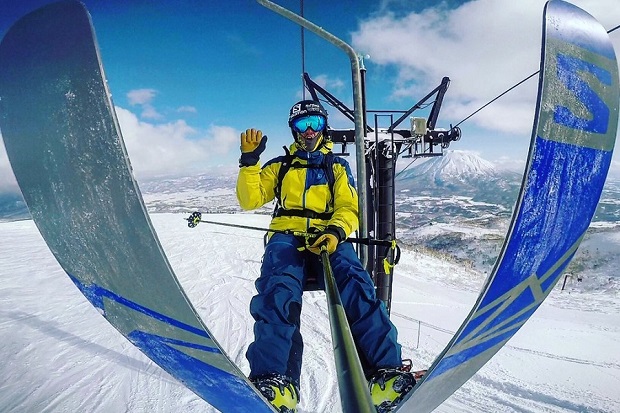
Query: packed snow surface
{"type": "Point", "coordinates": [60, 355]}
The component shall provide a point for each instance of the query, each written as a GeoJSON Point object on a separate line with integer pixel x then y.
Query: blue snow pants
{"type": "Point", "coordinates": [278, 345]}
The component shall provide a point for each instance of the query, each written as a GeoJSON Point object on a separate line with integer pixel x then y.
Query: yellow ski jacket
{"type": "Point", "coordinates": [305, 187]}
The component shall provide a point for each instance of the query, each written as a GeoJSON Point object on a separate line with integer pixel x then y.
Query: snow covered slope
{"type": "Point", "coordinates": [59, 355]}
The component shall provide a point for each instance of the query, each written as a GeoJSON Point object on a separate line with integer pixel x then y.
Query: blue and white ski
{"type": "Point", "coordinates": [66, 150]}
{"type": "Point", "coordinates": [572, 143]}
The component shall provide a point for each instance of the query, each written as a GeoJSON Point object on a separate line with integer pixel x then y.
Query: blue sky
{"type": "Point", "coordinates": [187, 76]}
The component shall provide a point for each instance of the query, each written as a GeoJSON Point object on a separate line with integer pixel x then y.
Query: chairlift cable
{"type": "Point", "coordinates": [303, 51]}
{"type": "Point", "coordinates": [513, 87]}
{"type": "Point", "coordinates": [499, 96]}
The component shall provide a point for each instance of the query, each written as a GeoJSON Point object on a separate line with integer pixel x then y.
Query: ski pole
{"type": "Point", "coordinates": [196, 217]}
{"type": "Point", "coordinates": [351, 380]}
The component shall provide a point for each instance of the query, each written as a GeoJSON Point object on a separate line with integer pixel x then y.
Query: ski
{"type": "Point", "coordinates": [570, 152]}
{"type": "Point", "coordinates": [66, 150]}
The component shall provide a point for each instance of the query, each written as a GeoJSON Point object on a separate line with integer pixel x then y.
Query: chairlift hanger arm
{"type": "Point", "coordinates": [443, 88]}
{"type": "Point", "coordinates": [440, 91]}
{"type": "Point", "coordinates": [354, 59]}
{"type": "Point", "coordinates": [313, 88]}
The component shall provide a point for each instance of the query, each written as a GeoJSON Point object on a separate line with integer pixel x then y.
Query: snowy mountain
{"type": "Point", "coordinates": [12, 207]}
{"type": "Point", "coordinates": [609, 206]}
{"type": "Point", "coordinates": [458, 186]}
{"type": "Point", "coordinates": [459, 191]}
{"type": "Point", "coordinates": [461, 174]}
{"type": "Point", "coordinates": [455, 166]}
{"type": "Point", "coordinates": [212, 191]}
{"type": "Point", "coordinates": [458, 206]}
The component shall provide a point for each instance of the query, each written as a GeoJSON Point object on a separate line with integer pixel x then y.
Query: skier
{"type": "Point", "coordinates": [315, 193]}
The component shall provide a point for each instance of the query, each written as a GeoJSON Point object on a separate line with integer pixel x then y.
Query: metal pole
{"type": "Point", "coordinates": [354, 393]}
{"type": "Point", "coordinates": [385, 216]}
{"type": "Point", "coordinates": [357, 108]}
{"type": "Point", "coordinates": [303, 51]}
{"type": "Point", "coordinates": [419, 328]}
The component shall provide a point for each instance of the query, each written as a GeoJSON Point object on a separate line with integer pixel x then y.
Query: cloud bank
{"type": "Point", "coordinates": [483, 46]}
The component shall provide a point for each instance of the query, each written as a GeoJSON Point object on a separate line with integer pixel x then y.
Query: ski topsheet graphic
{"type": "Point", "coordinates": [570, 153]}
{"type": "Point", "coordinates": [64, 144]}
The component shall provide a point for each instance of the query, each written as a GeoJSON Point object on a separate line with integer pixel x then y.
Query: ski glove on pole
{"type": "Point", "coordinates": [253, 143]}
{"type": "Point", "coordinates": [331, 236]}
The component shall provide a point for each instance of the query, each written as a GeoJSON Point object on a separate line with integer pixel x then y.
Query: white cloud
{"type": "Point", "coordinates": [168, 149]}
{"type": "Point", "coordinates": [510, 163]}
{"type": "Point", "coordinates": [141, 96]}
{"type": "Point", "coordinates": [174, 148]}
{"type": "Point", "coordinates": [326, 82]}
{"type": "Point", "coordinates": [149, 112]}
{"type": "Point", "coordinates": [483, 46]}
{"type": "Point", "coordinates": [187, 109]}
{"type": "Point", "coordinates": [329, 83]}
{"type": "Point", "coordinates": [144, 99]}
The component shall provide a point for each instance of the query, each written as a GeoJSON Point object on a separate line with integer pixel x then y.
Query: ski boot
{"type": "Point", "coordinates": [279, 390]}
{"type": "Point", "coordinates": [389, 386]}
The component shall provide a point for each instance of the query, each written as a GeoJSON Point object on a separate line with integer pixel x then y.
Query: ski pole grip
{"type": "Point", "coordinates": [323, 246]}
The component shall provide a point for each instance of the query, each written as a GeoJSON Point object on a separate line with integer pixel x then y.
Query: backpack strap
{"type": "Point", "coordinates": [284, 167]}
{"type": "Point", "coordinates": [327, 165]}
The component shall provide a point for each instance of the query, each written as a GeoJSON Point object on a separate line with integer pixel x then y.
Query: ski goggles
{"type": "Point", "coordinates": [314, 122]}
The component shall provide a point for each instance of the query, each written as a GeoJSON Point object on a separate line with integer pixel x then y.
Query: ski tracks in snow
{"type": "Point", "coordinates": [227, 285]}
{"type": "Point", "coordinates": [517, 379]}
{"type": "Point", "coordinates": [60, 355]}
